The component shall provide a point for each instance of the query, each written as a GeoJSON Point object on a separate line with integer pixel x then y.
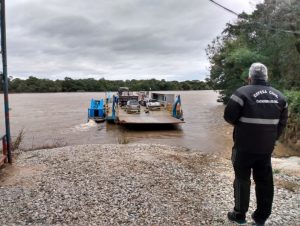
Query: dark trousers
{"type": "Point", "coordinates": [263, 178]}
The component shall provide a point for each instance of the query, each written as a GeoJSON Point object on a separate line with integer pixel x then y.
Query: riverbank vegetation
{"type": "Point", "coordinates": [34, 85]}
{"type": "Point", "coordinates": [271, 35]}
{"type": "Point", "coordinates": [292, 131]}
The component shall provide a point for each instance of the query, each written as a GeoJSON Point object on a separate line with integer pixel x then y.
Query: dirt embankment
{"type": "Point", "coordinates": [129, 185]}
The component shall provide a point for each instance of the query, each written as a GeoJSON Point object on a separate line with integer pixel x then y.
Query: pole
{"type": "Point", "coordinates": [5, 80]}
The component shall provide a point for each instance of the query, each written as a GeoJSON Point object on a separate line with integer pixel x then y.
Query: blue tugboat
{"type": "Point", "coordinates": [96, 111]}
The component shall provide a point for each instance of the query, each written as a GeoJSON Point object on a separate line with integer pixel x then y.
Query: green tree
{"type": "Point", "coordinates": [260, 36]}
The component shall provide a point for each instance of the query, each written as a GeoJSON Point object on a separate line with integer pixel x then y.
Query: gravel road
{"type": "Point", "coordinates": [135, 184]}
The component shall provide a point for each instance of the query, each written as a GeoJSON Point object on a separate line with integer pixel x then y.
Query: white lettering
{"type": "Point", "coordinates": [274, 94]}
{"type": "Point", "coordinates": [259, 93]}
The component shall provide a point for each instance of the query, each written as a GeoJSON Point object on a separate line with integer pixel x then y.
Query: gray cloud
{"type": "Point", "coordinates": [113, 39]}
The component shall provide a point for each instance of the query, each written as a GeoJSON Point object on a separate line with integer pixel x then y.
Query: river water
{"type": "Point", "coordinates": [58, 119]}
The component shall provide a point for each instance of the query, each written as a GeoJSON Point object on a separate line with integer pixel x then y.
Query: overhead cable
{"type": "Point", "coordinates": [229, 10]}
{"type": "Point", "coordinates": [269, 28]}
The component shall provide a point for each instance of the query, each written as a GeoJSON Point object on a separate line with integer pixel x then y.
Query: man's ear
{"type": "Point", "coordinates": [249, 80]}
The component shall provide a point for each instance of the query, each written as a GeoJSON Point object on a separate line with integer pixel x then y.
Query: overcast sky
{"type": "Point", "coordinates": [117, 39]}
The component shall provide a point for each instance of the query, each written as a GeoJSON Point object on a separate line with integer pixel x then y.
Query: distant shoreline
{"type": "Point", "coordinates": [33, 84]}
{"type": "Point", "coordinates": [108, 91]}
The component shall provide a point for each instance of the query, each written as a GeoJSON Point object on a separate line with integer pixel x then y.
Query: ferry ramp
{"type": "Point", "coordinates": [147, 117]}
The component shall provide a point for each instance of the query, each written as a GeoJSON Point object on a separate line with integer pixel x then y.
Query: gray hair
{"type": "Point", "coordinates": [258, 71]}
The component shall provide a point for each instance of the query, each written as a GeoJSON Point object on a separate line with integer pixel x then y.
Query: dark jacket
{"type": "Point", "coordinates": [259, 114]}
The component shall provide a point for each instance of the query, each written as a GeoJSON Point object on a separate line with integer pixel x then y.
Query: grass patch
{"type": "Point", "coordinates": [17, 142]}
{"type": "Point", "coordinates": [276, 171]}
{"type": "Point", "coordinates": [123, 140]}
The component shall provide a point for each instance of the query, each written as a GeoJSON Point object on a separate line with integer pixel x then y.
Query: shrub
{"type": "Point", "coordinates": [293, 98]}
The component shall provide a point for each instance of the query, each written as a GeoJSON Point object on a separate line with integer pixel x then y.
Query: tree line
{"type": "Point", "coordinates": [34, 85]}
{"type": "Point", "coordinates": [270, 35]}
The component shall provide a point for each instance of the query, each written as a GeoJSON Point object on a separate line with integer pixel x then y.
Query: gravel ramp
{"type": "Point", "coordinates": [137, 184]}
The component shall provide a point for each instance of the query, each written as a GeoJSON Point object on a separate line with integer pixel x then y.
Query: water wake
{"type": "Point", "coordinates": [86, 126]}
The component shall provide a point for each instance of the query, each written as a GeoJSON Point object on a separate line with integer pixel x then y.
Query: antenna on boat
{"type": "Point", "coordinates": [6, 141]}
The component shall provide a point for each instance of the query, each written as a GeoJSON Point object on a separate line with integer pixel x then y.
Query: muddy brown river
{"type": "Point", "coordinates": [58, 119]}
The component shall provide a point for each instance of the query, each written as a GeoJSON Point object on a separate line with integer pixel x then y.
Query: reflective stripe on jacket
{"type": "Point", "coordinates": [259, 114]}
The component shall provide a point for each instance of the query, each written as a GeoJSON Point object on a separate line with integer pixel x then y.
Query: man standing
{"type": "Point", "coordinates": [259, 114]}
